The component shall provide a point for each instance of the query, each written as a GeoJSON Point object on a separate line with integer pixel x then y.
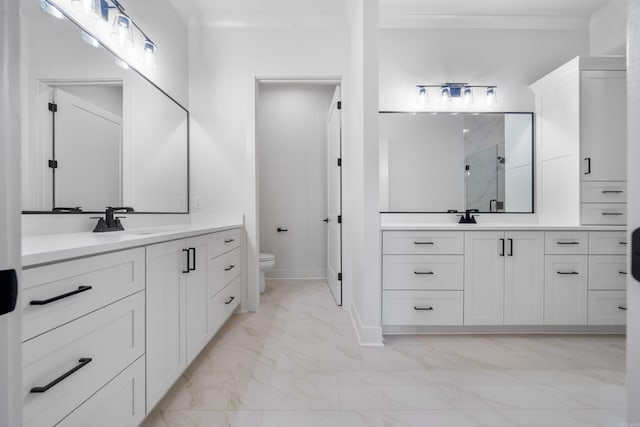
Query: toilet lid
{"type": "Point", "coordinates": [266, 257]}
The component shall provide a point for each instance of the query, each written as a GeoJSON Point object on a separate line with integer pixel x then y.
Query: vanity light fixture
{"type": "Point", "coordinates": [51, 9]}
{"type": "Point", "coordinates": [460, 92]}
{"type": "Point", "coordinates": [122, 27]}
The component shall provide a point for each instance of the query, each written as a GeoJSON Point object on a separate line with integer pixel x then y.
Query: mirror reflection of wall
{"type": "Point", "coordinates": [451, 162]}
{"type": "Point", "coordinates": [115, 138]}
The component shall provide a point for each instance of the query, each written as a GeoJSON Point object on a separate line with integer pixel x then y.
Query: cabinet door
{"type": "Point", "coordinates": [196, 289]}
{"type": "Point", "coordinates": [484, 278]}
{"type": "Point", "coordinates": [603, 125]}
{"type": "Point", "coordinates": [166, 317]}
{"type": "Point", "coordinates": [565, 290]}
{"type": "Point", "coordinates": [524, 278]}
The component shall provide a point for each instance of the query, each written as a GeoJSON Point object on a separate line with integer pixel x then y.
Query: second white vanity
{"type": "Point", "coordinates": [524, 278]}
{"type": "Point", "coordinates": [111, 320]}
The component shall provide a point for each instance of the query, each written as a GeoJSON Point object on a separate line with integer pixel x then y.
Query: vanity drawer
{"type": "Point", "coordinates": [604, 192]}
{"type": "Point", "coordinates": [111, 277]}
{"type": "Point", "coordinates": [422, 308]}
{"type": "Point", "coordinates": [423, 272]}
{"type": "Point", "coordinates": [604, 213]}
{"type": "Point", "coordinates": [98, 346]}
{"type": "Point", "coordinates": [565, 290]}
{"type": "Point", "coordinates": [607, 272]}
{"type": "Point", "coordinates": [607, 307]}
{"type": "Point", "coordinates": [608, 242]}
{"type": "Point", "coordinates": [223, 304]}
{"type": "Point", "coordinates": [223, 241]}
{"type": "Point", "coordinates": [566, 242]}
{"type": "Point", "coordinates": [222, 270]}
{"type": "Point", "coordinates": [120, 403]}
{"type": "Point", "coordinates": [423, 242]}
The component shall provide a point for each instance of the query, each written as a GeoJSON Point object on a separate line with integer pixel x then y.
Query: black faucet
{"type": "Point", "coordinates": [109, 222]}
{"type": "Point", "coordinates": [467, 218]}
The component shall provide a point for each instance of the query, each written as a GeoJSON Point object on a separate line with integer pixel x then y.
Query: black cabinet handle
{"type": "Point", "coordinates": [229, 301]}
{"type": "Point", "coordinates": [426, 308]}
{"type": "Point", "coordinates": [622, 272]}
{"type": "Point", "coordinates": [81, 364]}
{"type": "Point", "coordinates": [424, 272]}
{"type": "Point", "coordinates": [567, 272]}
{"type": "Point", "coordinates": [282, 230]}
{"type": "Point", "coordinates": [612, 191]}
{"type": "Point", "coordinates": [622, 243]}
{"type": "Point", "coordinates": [229, 268]}
{"type": "Point", "coordinates": [194, 260]}
{"type": "Point", "coordinates": [510, 247]}
{"type": "Point", "coordinates": [423, 243]}
{"type": "Point", "coordinates": [326, 220]}
{"type": "Point", "coordinates": [230, 240]}
{"type": "Point", "coordinates": [502, 246]}
{"type": "Point", "coordinates": [612, 213]}
{"type": "Point", "coordinates": [588, 159]}
{"type": "Point", "coordinates": [622, 307]}
{"type": "Point", "coordinates": [568, 243]}
{"type": "Point", "coordinates": [59, 297]}
{"type": "Point", "coordinates": [188, 260]}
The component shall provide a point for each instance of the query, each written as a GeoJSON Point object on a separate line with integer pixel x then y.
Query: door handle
{"type": "Point", "coordinates": [510, 247]}
{"type": "Point", "coordinates": [502, 246]}
{"type": "Point", "coordinates": [8, 291]}
{"type": "Point", "coordinates": [194, 260]}
{"type": "Point", "coordinates": [188, 260]}
{"type": "Point", "coordinates": [326, 220]}
{"type": "Point", "coordinates": [635, 254]}
{"type": "Point", "coordinates": [588, 160]}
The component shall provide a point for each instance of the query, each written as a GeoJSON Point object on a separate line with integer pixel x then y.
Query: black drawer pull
{"type": "Point", "coordinates": [229, 268]}
{"type": "Point", "coordinates": [59, 297]}
{"type": "Point", "coordinates": [423, 243]}
{"type": "Point", "coordinates": [622, 272]}
{"type": "Point", "coordinates": [424, 272]}
{"type": "Point", "coordinates": [427, 308]}
{"type": "Point", "coordinates": [81, 364]}
{"type": "Point", "coordinates": [612, 213]}
{"type": "Point", "coordinates": [230, 240]}
{"type": "Point", "coordinates": [568, 243]}
{"type": "Point", "coordinates": [282, 230]}
{"type": "Point", "coordinates": [622, 307]}
{"type": "Point", "coordinates": [568, 272]}
{"type": "Point", "coordinates": [612, 191]}
{"type": "Point", "coordinates": [229, 301]}
{"type": "Point", "coordinates": [622, 243]}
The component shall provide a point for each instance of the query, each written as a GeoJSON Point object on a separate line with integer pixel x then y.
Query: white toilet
{"type": "Point", "coordinates": [267, 261]}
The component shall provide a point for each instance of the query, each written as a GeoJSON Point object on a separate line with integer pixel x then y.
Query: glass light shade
{"type": "Point", "coordinates": [89, 39]}
{"type": "Point", "coordinates": [149, 56]}
{"type": "Point", "coordinates": [122, 30]}
{"type": "Point", "coordinates": [467, 95]}
{"type": "Point", "coordinates": [446, 94]}
{"type": "Point", "coordinates": [120, 63]}
{"type": "Point", "coordinates": [492, 98]}
{"type": "Point", "coordinates": [51, 9]}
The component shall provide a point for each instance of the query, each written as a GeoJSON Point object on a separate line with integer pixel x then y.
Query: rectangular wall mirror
{"type": "Point", "coordinates": [95, 134]}
{"type": "Point", "coordinates": [444, 162]}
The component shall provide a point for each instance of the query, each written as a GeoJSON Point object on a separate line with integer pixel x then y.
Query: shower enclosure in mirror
{"type": "Point", "coordinates": [451, 162]}
{"type": "Point", "coordinates": [95, 134]}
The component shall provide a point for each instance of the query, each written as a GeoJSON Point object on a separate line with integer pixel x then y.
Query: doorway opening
{"type": "Point", "coordinates": [299, 157]}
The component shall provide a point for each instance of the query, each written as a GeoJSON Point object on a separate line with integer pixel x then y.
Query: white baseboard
{"type": "Point", "coordinates": [368, 336]}
{"type": "Point", "coordinates": [297, 274]}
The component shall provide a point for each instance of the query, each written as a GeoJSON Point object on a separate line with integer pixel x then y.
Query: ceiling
{"type": "Point", "coordinates": [395, 13]}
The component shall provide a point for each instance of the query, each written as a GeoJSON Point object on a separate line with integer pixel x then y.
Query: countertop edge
{"type": "Point", "coordinates": [88, 244]}
{"type": "Point", "coordinates": [498, 227]}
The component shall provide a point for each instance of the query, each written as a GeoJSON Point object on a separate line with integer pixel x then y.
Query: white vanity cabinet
{"type": "Point", "coordinates": [106, 335]}
{"type": "Point", "coordinates": [607, 300]}
{"type": "Point", "coordinates": [503, 277]}
{"type": "Point", "coordinates": [581, 124]}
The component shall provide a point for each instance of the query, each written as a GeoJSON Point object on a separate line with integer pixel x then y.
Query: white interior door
{"type": "Point", "coordinates": [334, 202]}
{"type": "Point", "coordinates": [88, 149]}
{"type": "Point", "coordinates": [10, 346]}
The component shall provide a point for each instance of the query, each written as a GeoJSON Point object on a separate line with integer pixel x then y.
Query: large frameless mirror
{"type": "Point", "coordinates": [451, 162]}
{"type": "Point", "coordinates": [95, 134]}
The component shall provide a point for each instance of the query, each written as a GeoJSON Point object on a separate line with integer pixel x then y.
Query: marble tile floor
{"type": "Point", "coordinates": [297, 363]}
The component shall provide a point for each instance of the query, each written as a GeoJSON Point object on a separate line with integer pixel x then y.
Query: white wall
{"type": "Point", "coordinates": [608, 29]}
{"type": "Point", "coordinates": [224, 64]}
{"type": "Point", "coordinates": [292, 182]}
{"type": "Point", "coordinates": [511, 59]}
{"type": "Point", "coordinates": [633, 287]}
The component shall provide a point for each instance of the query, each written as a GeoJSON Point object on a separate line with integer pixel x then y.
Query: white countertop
{"type": "Point", "coordinates": [388, 226]}
{"type": "Point", "coordinates": [49, 248]}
